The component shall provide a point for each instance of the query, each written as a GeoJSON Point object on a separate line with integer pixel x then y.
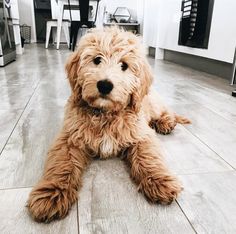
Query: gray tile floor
{"type": "Point", "coordinates": [203, 155]}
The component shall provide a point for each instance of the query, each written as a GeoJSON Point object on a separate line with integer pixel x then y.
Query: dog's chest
{"type": "Point", "coordinates": [108, 146]}
{"type": "Point", "coordinates": [105, 138]}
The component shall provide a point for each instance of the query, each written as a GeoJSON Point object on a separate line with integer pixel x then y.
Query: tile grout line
{"type": "Point", "coordinates": [206, 173]}
{"type": "Point", "coordinates": [27, 187]}
{"type": "Point", "coordinates": [210, 148]}
{"type": "Point", "coordinates": [186, 216]}
{"type": "Point", "coordinates": [231, 169]}
{"type": "Point", "coordinates": [187, 174]}
{"type": "Point", "coordinates": [19, 118]}
{"type": "Point", "coordinates": [209, 107]}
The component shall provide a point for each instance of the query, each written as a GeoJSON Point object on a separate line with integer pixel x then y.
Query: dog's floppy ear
{"type": "Point", "coordinates": [72, 68]}
{"type": "Point", "coordinates": [145, 76]}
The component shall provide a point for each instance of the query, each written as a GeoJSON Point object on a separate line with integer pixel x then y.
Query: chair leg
{"type": "Point", "coordinates": [66, 32]}
{"type": "Point", "coordinates": [59, 25]}
{"type": "Point", "coordinates": [48, 35]}
{"type": "Point", "coordinates": [75, 37]}
{"type": "Point", "coordinates": [72, 29]}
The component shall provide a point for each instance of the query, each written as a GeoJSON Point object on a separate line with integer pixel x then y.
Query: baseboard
{"type": "Point", "coordinates": [218, 68]}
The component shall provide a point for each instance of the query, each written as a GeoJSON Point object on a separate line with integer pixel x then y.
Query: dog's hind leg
{"type": "Point", "coordinates": [150, 173]}
{"type": "Point", "coordinates": [159, 117]}
{"type": "Point", "coordinates": [55, 193]}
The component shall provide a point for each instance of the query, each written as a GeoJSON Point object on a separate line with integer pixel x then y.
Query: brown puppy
{"type": "Point", "coordinates": [109, 113]}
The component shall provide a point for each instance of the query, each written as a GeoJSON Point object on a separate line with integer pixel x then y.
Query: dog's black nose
{"type": "Point", "coordinates": [104, 86]}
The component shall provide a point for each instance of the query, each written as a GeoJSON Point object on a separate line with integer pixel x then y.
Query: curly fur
{"type": "Point", "coordinates": [98, 126]}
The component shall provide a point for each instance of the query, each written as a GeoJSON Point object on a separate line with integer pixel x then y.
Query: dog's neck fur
{"type": "Point", "coordinates": [94, 111]}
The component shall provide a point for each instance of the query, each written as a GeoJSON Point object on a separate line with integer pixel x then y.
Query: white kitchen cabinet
{"type": "Point", "coordinates": [222, 40]}
{"type": "Point", "coordinates": [161, 29]}
{"type": "Point", "coordinates": [150, 24]}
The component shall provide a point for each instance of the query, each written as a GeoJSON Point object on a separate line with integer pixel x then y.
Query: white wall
{"type": "Point", "coordinates": [222, 41]}
{"type": "Point", "coordinates": [26, 13]}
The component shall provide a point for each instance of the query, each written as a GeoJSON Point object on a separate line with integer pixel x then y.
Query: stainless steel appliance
{"type": "Point", "coordinates": [7, 42]}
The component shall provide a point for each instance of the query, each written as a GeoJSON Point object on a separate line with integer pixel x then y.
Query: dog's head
{"type": "Point", "coordinates": [109, 70]}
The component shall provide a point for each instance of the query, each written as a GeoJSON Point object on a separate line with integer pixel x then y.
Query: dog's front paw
{"type": "Point", "coordinates": [48, 202]}
{"type": "Point", "coordinates": [164, 125]}
{"type": "Point", "coordinates": [160, 189]}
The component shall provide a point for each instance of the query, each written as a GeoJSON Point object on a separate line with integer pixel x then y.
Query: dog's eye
{"type": "Point", "coordinates": [97, 60]}
{"type": "Point", "coordinates": [124, 66]}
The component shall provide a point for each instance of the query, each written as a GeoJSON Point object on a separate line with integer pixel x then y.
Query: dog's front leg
{"type": "Point", "coordinates": [159, 116]}
{"type": "Point", "coordinates": [55, 193]}
{"type": "Point", "coordinates": [150, 173]}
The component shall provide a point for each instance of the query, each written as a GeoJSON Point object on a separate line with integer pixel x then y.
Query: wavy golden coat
{"type": "Point", "coordinates": [116, 118]}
